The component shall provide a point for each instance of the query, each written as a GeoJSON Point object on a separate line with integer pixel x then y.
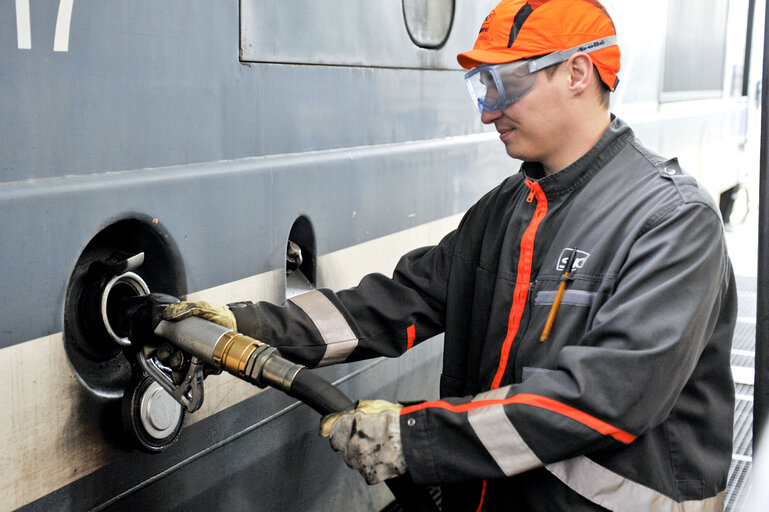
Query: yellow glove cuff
{"type": "Point", "coordinates": [364, 407]}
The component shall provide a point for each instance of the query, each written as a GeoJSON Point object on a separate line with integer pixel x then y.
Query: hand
{"type": "Point", "coordinates": [369, 437]}
{"type": "Point", "coordinates": [217, 314]}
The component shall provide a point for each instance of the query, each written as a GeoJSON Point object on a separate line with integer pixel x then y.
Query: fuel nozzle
{"type": "Point", "coordinates": [209, 345]}
{"type": "Point", "coordinates": [253, 361]}
{"type": "Point", "coordinates": [178, 371]}
{"type": "Point", "coordinates": [203, 347]}
{"type": "Point", "coordinates": [167, 382]}
{"type": "Point", "coordinates": [140, 314]}
{"type": "Point", "coordinates": [245, 357]}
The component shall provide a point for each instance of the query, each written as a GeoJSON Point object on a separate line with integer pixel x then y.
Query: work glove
{"type": "Point", "coordinates": [217, 314]}
{"type": "Point", "coordinates": [369, 437]}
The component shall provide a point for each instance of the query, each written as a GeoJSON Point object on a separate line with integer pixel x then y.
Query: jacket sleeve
{"type": "Point", "coordinates": [620, 379]}
{"type": "Point", "coordinates": [381, 316]}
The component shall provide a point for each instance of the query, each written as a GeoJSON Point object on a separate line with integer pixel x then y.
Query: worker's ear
{"type": "Point", "coordinates": [580, 68]}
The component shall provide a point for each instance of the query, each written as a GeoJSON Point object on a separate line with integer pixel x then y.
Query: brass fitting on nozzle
{"type": "Point", "coordinates": [233, 351]}
{"type": "Point", "coordinates": [238, 354]}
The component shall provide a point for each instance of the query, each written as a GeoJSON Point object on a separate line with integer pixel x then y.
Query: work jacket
{"type": "Point", "coordinates": [628, 402]}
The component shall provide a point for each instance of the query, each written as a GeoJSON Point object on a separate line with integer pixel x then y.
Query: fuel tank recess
{"type": "Point", "coordinates": [129, 257]}
{"type": "Point", "coordinates": [301, 258]}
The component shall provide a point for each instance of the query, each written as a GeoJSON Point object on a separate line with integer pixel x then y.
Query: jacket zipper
{"type": "Point", "coordinates": [523, 277]}
{"type": "Point", "coordinates": [521, 290]}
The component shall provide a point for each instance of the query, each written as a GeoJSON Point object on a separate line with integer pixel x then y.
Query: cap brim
{"type": "Point", "coordinates": [473, 58]}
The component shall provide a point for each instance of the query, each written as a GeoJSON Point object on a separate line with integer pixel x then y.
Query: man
{"type": "Point", "coordinates": [588, 304]}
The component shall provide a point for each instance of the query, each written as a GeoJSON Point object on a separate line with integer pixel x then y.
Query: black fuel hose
{"type": "Point", "coordinates": [318, 393]}
{"type": "Point", "coordinates": [325, 398]}
{"type": "Point", "coordinates": [262, 365]}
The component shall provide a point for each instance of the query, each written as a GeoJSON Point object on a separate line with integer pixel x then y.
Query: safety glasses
{"type": "Point", "coordinates": [497, 86]}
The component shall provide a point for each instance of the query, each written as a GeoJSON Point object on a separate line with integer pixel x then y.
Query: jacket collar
{"type": "Point", "coordinates": [575, 175]}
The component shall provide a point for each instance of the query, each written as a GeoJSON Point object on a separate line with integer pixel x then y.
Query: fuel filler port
{"type": "Point", "coordinates": [106, 363]}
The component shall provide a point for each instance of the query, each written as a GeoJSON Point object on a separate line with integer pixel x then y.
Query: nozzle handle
{"type": "Point", "coordinates": [194, 336]}
{"type": "Point", "coordinates": [235, 353]}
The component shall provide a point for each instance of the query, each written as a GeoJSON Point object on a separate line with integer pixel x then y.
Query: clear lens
{"type": "Point", "coordinates": [496, 87]}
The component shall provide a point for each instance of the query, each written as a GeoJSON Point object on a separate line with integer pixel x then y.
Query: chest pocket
{"type": "Point", "coordinates": [572, 320]}
{"type": "Point", "coordinates": [569, 297]}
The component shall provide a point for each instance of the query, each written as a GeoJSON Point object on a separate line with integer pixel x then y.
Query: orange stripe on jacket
{"type": "Point", "coordinates": [411, 333]}
{"type": "Point", "coordinates": [542, 402]}
{"type": "Point", "coordinates": [522, 280]}
{"type": "Point", "coordinates": [483, 496]}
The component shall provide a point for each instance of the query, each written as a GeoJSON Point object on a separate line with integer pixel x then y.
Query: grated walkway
{"type": "Point", "coordinates": [742, 242]}
{"type": "Point", "coordinates": [743, 368]}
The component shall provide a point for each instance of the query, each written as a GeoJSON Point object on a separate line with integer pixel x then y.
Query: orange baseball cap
{"type": "Point", "coordinates": [520, 29]}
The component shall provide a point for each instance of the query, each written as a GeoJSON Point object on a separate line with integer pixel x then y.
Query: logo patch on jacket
{"type": "Point", "coordinates": [579, 261]}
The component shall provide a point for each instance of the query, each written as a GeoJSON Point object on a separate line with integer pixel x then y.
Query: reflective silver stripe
{"type": "Point", "coordinates": [337, 334]}
{"type": "Point", "coordinates": [573, 297]}
{"type": "Point", "coordinates": [615, 492]}
{"type": "Point", "coordinates": [499, 436]}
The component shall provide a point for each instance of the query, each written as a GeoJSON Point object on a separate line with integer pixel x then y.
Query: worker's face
{"type": "Point", "coordinates": [531, 128]}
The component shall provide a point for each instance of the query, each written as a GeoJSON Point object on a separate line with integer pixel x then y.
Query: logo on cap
{"type": "Point", "coordinates": [485, 26]}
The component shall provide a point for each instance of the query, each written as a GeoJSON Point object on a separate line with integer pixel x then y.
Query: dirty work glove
{"type": "Point", "coordinates": [369, 437]}
{"type": "Point", "coordinates": [217, 314]}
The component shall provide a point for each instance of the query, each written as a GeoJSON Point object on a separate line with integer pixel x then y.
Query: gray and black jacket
{"type": "Point", "coordinates": [628, 403]}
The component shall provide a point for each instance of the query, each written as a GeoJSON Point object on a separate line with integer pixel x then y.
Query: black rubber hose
{"type": "Point", "coordinates": [326, 398]}
{"type": "Point", "coordinates": [319, 394]}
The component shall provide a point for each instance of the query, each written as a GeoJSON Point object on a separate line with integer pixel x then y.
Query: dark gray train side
{"type": "Point", "coordinates": [206, 134]}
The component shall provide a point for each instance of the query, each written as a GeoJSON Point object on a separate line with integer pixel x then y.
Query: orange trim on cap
{"type": "Point", "coordinates": [522, 280]}
{"type": "Point", "coordinates": [540, 401]}
{"type": "Point", "coordinates": [411, 333]}
{"type": "Point", "coordinates": [553, 25]}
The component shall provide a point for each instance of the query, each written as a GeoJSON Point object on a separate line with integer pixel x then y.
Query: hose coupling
{"type": "Point", "coordinates": [254, 361]}
{"type": "Point", "coordinates": [233, 352]}
{"type": "Point", "coordinates": [269, 368]}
